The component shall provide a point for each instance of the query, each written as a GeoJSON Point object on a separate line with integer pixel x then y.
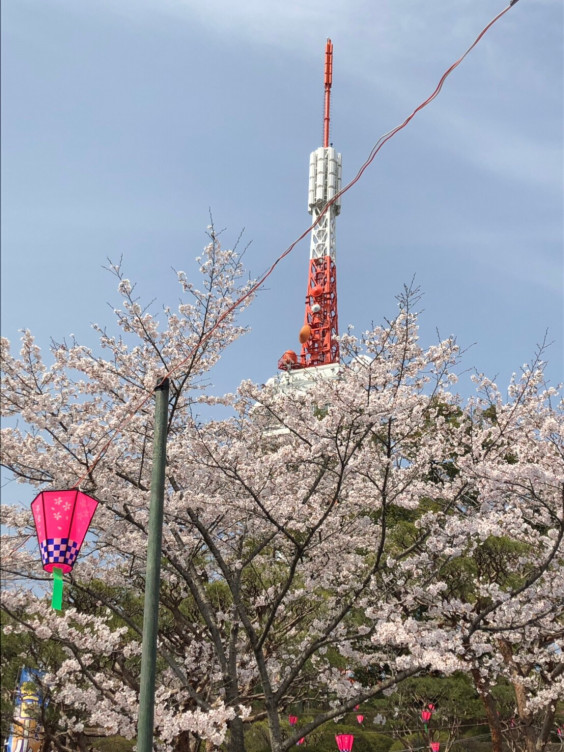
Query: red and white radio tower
{"type": "Point", "coordinates": [320, 329]}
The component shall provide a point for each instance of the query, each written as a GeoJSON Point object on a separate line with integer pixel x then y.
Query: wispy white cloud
{"type": "Point", "coordinates": [500, 149]}
{"type": "Point", "coordinates": [523, 254]}
{"type": "Point", "coordinates": [390, 26]}
{"type": "Point", "coordinates": [398, 48]}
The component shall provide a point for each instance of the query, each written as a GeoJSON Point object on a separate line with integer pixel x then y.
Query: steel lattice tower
{"type": "Point", "coordinates": [320, 329]}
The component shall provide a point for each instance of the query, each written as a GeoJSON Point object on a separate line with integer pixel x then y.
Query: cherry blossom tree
{"type": "Point", "coordinates": [519, 444]}
{"type": "Point", "coordinates": [316, 542]}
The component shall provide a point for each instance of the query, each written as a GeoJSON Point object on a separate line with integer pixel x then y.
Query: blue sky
{"type": "Point", "coordinates": [125, 121]}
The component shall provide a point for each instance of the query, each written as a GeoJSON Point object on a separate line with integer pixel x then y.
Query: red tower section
{"type": "Point", "coordinates": [321, 347]}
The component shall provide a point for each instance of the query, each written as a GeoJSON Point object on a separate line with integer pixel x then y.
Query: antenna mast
{"type": "Point", "coordinates": [328, 82]}
{"type": "Point", "coordinates": [320, 329]}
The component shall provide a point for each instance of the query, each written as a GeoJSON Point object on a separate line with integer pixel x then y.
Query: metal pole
{"type": "Point", "coordinates": [153, 575]}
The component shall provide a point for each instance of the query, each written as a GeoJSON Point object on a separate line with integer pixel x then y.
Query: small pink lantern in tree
{"type": "Point", "coordinates": [431, 707]}
{"type": "Point", "coordinates": [360, 718]}
{"type": "Point", "coordinates": [435, 746]}
{"type": "Point", "coordinates": [344, 742]}
{"type": "Point", "coordinates": [62, 519]}
{"type": "Point", "coordinates": [292, 720]}
{"type": "Point", "coordinates": [300, 741]}
{"type": "Point", "coordinates": [426, 717]}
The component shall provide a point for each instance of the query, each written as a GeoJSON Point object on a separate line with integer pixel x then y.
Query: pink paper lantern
{"type": "Point", "coordinates": [360, 718]}
{"type": "Point", "coordinates": [426, 716]}
{"type": "Point", "coordinates": [300, 741]}
{"type": "Point", "coordinates": [292, 720]}
{"type": "Point", "coordinates": [62, 519]}
{"type": "Point", "coordinates": [344, 742]}
{"type": "Point", "coordinates": [435, 746]}
{"type": "Point", "coordinates": [431, 707]}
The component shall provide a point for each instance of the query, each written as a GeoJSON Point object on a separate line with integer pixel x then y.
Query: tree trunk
{"type": "Point", "coordinates": [183, 742]}
{"type": "Point", "coordinates": [491, 711]}
{"type": "Point", "coordinates": [236, 741]}
{"type": "Point", "coordinates": [274, 729]}
{"type": "Point", "coordinates": [526, 727]}
{"type": "Point", "coordinates": [532, 740]}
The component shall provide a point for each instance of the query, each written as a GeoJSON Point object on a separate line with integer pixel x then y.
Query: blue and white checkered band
{"type": "Point", "coordinates": [59, 551]}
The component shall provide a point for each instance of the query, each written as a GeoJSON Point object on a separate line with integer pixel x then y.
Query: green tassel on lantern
{"type": "Point", "coordinates": [57, 600]}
